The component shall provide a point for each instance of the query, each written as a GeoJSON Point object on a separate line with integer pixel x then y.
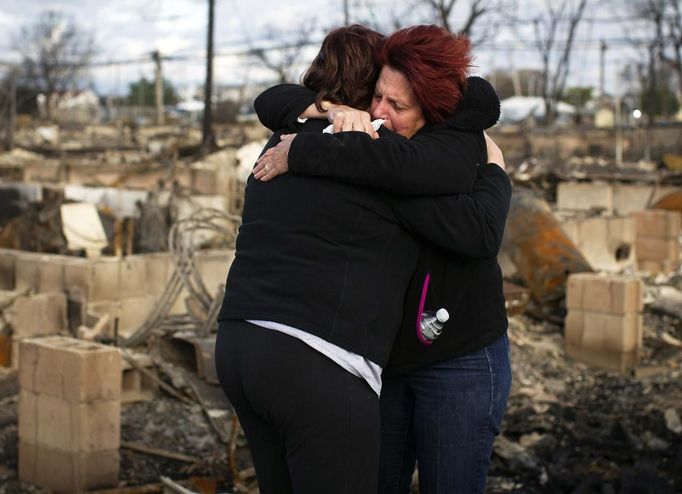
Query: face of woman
{"type": "Point", "coordinates": [395, 102]}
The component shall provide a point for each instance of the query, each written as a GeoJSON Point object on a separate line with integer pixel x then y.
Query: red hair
{"type": "Point", "coordinates": [435, 62]}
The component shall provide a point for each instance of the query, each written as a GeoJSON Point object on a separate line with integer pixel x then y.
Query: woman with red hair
{"type": "Point", "coordinates": [442, 399]}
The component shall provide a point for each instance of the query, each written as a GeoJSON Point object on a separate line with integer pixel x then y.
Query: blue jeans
{"type": "Point", "coordinates": [444, 418]}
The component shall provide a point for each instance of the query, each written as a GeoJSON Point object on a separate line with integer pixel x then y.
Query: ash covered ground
{"type": "Point", "coordinates": [568, 428]}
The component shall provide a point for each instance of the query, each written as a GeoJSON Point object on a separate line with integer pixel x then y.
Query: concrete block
{"type": "Point", "coordinates": [55, 427]}
{"type": "Point", "coordinates": [608, 243]}
{"type": "Point", "coordinates": [97, 469]}
{"type": "Point", "coordinates": [604, 294]}
{"type": "Point", "coordinates": [51, 275]}
{"type": "Point", "coordinates": [28, 417]}
{"type": "Point", "coordinates": [7, 267]}
{"type": "Point", "coordinates": [95, 279]}
{"type": "Point", "coordinates": [27, 372]}
{"type": "Point", "coordinates": [653, 249]}
{"type": "Point", "coordinates": [133, 277]}
{"type": "Point", "coordinates": [632, 198]}
{"type": "Point", "coordinates": [658, 223]}
{"type": "Point", "coordinates": [659, 267]}
{"type": "Point", "coordinates": [66, 472]}
{"type": "Point", "coordinates": [213, 266]}
{"type": "Point", "coordinates": [133, 312]}
{"type": "Point", "coordinates": [585, 196]}
{"type": "Point", "coordinates": [77, 427]}
{"type": "Point", "coordinates": [73, 370]}
{"type": "Point", "coordinates": [135, 385]}
{"type": "Point", "coordinates": [603, 332]}
{"type": "Point", "coordinates": [42, 273]}
{"type": "Point", "coordinates": [95, 425]}
{"type": "Point", "coordinates": [26, 272]}
{"type": "Point", "coordinates": [27, 461]}
{"type": "Point", "coordinates": [614, 361]}
{"type": "Point", "coordinates": [159, 270]}
{"type": "Point", "coordinates": [40, 314]}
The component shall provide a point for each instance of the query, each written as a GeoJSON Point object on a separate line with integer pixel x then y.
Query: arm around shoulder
{"type": "Point", "coordinates": [431, 163]}
{"type": "Point", "coordinates": [280, 106]}
{"type": "Point", "coordinates": [464, 224]}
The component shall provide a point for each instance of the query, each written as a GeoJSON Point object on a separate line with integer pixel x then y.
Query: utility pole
{"type": "Point", "coordinates": [12, 119]}
{"type": "Point", "coordinates": [346, 13]}
{"type": "Point", "coordinates": [619, 130]}
{"type": "Point", "coordinates": [602, 57]}
{"type": "Point", "coordinates": [618, 119]}
{"type": "Point", "coordinates": [516, 80]}
{"type": "Point", "coordinates": [158, 87]}
{"type": "Point", "coordinates": [208, 140]}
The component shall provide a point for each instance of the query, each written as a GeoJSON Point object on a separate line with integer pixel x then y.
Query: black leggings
{"type": "Point", "coordinates": [312, 427]}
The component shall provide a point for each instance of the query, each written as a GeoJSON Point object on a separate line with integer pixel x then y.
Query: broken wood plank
{"type": "Point", "coordinates": [671, 340]}
{"type": "Point", "coordinates": [216, 406]}
{"type": "Point", "coordinates": [175, 487]}
{"type": "Point", "coordinates": [137, 489]}
{"type": "Point", "coordinates": [171, 455]}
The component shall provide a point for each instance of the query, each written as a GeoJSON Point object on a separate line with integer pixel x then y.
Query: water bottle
{"type": "Point", "coordinates": [432, 324]}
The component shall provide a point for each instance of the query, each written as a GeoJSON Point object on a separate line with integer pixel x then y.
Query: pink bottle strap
{"type": "Point", "coordinates": [422, 301]}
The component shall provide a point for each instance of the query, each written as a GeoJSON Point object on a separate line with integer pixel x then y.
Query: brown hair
{"type": "Point", "coordinates": [345, 70]}
{"type": "Point", "coordinates": [434, 61]}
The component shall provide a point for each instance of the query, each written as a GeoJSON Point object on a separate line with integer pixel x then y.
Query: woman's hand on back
{"type": "Point", "coordinates": [494, 152]}
{"type": "Point", "coordinates": [274, 161]}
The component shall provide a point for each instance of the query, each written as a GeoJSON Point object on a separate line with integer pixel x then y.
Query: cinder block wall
{"type": "Point", "coordinates": [603, 324]}
{"type": "Point", "coordinates": [658, 240]}
{"type": "Point", "coordinates": [123, 288]}
{"type": "Point", "coordinates": [69, 414]}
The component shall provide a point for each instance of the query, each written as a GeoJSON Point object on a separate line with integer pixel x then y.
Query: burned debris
{"type": "Point", "coordinates": [115, 247]}
{"type": "Point", "coordinates": [113, 263]}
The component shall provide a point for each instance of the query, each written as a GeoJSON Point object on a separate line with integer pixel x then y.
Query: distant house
{"type": "Point", "coordinates": [605, 117]}
{"type": "Point", "coordinates": [73, 106]}
{"type": "Point", "coordinates": [530, 109]}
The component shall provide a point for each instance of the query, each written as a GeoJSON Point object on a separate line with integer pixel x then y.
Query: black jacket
{"type": "Point", "coordinates": [461, 233]}
{"type": "Point", "coordinates": [321, 256]}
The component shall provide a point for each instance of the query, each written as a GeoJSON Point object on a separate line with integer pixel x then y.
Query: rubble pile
{"type": "Point", "coordinates": [136, 271]}
{"type": "Point", "coordinates": [570, 428]}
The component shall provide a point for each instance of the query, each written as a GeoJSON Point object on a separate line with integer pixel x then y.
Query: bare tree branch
{"type": "Point", "coordinates": [663, 54]}
{"type": "Point", "coordinates": [282, 58]}
{"type": "Point", "coordinates": [55, 54]}
{"type": "Point", "coordinates": [560, 18]}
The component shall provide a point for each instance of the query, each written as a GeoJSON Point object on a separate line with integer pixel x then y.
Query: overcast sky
{"type": "Point", "coordinates": [131, 29]}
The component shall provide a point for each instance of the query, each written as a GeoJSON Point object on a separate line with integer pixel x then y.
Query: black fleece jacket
{"type": "Point", "coordinates": [461, 234]}
{"type": "Point", "coordinates": [321, 256]}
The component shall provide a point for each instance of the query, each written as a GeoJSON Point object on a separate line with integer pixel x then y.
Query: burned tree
{"type": "Point", "coordinates": [55, 53]}
{"type": "Point", "coordinates": [442, 10]}
{"type": "Point", "coordinates": [281, 56]}
{"type": "Point", "coordinates": [662, 57]}
{"type": "Point", "coordinates": [477, 19]}
{"type": "Point", "coordinates": [555, 32]}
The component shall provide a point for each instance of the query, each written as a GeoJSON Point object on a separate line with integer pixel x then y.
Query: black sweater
{"type": "Point", "coordinates": [324, 257]}
{"type": "Point", "coordinates": [463, 231]}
